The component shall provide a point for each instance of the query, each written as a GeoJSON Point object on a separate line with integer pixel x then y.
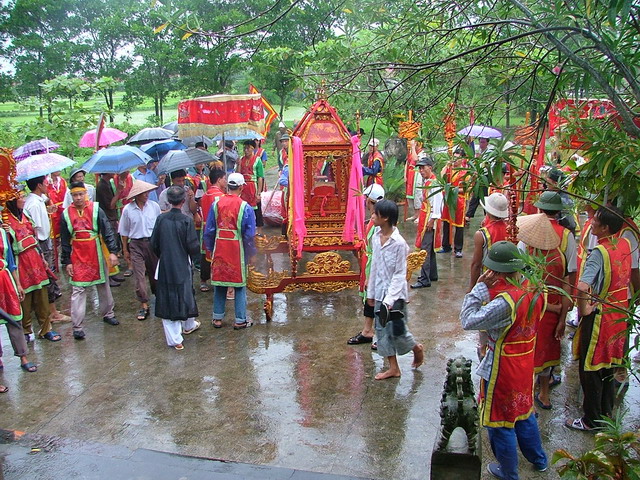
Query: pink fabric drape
{"type": "Point", "coordinates": [354, 221]}
{"type": "Point", "coordinates": [296, 191]}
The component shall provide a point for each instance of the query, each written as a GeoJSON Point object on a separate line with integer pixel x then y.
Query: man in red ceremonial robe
{"type": "Point", "coordinates": [375, 164]}
{"type": "Point", "coordinates": [56, 190]}
{"type": "Point", "coordinates": [455, 173]}
{"type": "Point", "coordinates": [229, 234]}
{"type": "Point", "coordinates": [83, 227]}
{"type": "Point", "coordinates": [410, 174]}
{"type": "Point", "coordinates": [218, 187]}
{"type": "Point", "coordinates": [32, 270]}
{"type": "Point", "coordinates": [510, 313]}
{"type": "Point", "coordinates": [602, 304]}
{"type": "Point", "coordinates": [430, 211]}
{"type": "Point", "coordinates": [250, 166]}
{"type": "Point", "coordinates": [11, 294]}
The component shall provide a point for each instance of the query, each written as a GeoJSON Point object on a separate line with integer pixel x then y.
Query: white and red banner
{"type": "Point", "coordinates": [217, 114]}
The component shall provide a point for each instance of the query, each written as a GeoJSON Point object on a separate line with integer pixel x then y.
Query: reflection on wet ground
{"type": "Point", "coordinates": [289, 393]}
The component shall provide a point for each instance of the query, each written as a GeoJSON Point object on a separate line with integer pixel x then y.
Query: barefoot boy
{"type": "Point", "coordinates": [388, 285]}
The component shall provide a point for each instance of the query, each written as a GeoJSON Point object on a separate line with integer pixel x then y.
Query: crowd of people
{"type": "Point", "coordinates": [522, 324]}
{"type": "Point", "coordinates": [208, 218]}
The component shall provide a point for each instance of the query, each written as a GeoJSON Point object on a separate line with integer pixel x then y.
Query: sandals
{"type": "Point", "coordinates": [540, 404]}
{"type": "Point", "coordinates": [143, 313]}
{"type": "Point", "coordinates": [187, 332]}
{"type": "Point", "coordinates": [29, 367]}
{"type": "Point", "coordinates": [216, 323]}
{"type": "Point", "coordinates": [240, 326]}
{"type": "Point", "coordinates": [578, 424]}
{"type": "Point", "coordinates": [4, 389]}
{"type": "Point", "coordinates": [179, 347]}
{"type": "Point", "coordinates": [128, 273]}
{"type": "Point", "coordinates": [204, 287]}
{"type": "Point", "coordinates": [52, 336]}
{"type": "Point", "coordinates": [358, 339]}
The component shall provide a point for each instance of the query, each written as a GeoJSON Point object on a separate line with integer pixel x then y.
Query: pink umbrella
{"type": "Point", "coordinates": [107, 137]}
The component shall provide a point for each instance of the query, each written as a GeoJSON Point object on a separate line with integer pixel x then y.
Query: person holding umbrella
{"type": "Point", "coordinates": [136, 226]}
{"type": "Point", "coordinates": [82, 228]}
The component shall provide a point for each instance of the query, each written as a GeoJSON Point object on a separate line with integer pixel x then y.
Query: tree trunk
{"type": "Point", "coordinates": [507, 113]}
{"type": "Point", "coordinates": [110, 105]}
{"type": "Point", "coordinates": [161, 109]}
{"type": "Point", "coordinates": [156, 104]}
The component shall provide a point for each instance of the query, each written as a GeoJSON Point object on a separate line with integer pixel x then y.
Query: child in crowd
{"type": "Point", "coordinates": [388, 287]}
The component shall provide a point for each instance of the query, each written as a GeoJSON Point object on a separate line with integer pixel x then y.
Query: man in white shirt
{"type": "Point", "coordinates": [36, 207]}
{"type": "Point", "coordinates": [135, 228]}
{"type": "Point", "coordinates": [430, 211]}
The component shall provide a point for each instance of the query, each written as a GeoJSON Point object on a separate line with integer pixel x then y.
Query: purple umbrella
{"type": "Point", "coordinates": [39, 165]}
{"type": "Point", "coordinates": [44, 145]}
{"type": "Point", "coordinates": [480, 131]}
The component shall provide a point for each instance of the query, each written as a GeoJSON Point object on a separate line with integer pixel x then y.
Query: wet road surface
{"type": "Point", "coordinates": [289, 393]}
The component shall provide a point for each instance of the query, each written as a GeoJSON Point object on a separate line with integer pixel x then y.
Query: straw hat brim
{"type": "Point", "coordinates": [140, 186]}
{"type": "Point", "coordinates": [536, 231]}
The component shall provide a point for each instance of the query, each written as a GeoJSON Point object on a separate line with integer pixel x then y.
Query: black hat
{"type": "Point", "coordinates": [425, 160]}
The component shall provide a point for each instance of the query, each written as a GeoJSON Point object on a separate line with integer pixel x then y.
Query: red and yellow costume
{"type": "Point", "coordinates": [228, 263]}
{"type": "Point", "coordinates": [493, 231]}
{"type": "Point", "coordinates": [606, 346]}
{"type": "Point", "coordinates": [508, 396]}
{"type": "Point", "coordinates": [86, 254]}
{"type": "Point", "coordinates": [547, 347]}
{"type": "Point", "coordinates": [410, 173]}
{"type": "Point", "coordinates": [56, 192]}
{"type": "Point", "coordinates": [247, 168]}
{"type": "Point", "coordinates": [456, 177]}
{"type": "Point", "coordinates": [377, 178]}
{"type": "Point", "coordinates": [583, 246]}
{"type": "Point", "coordinates": [425, 212]}
{"type": "Point", "coordinates": [207, 200]}
{"type": "Point", "coordinates": [31, 267]}
{"type": "Point", "coordinates": [9, 300]}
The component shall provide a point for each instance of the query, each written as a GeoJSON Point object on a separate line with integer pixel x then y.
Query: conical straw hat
{"type": "Point", "coordinates": [537, 231]}
{"type": "Point", "coordinates": [140, 187]}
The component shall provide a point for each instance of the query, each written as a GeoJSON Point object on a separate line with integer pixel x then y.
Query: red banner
{"type": "Point", "coordinates": [269, 112]}
{"type": "Point", "coordinates": [218, 113]}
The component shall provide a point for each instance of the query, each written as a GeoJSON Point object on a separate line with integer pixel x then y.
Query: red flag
{"type": "Point", "coordinates": [269, 112]}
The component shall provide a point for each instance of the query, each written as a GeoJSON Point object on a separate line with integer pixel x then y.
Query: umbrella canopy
{"type": "Point", "coordinates": [239, 134]}
{"type": "Point", "coordinates": [107, 137]}
{"type": "Point", "coordinates": [191, 141]}
{"type": "Point", "coordinates": [173, 126]}
{"type": "Point", "coordinates": [200, 156]}
{"type": "Point", "coordinates": [480, 131]}
{"type": "Point", "coordinates": [157, 150]}
{"type": "Point", "coordinates": [116, 160]}
{"type": "Point", "coordinates": [147, 135]}
{"type": "Point", "coordinates": [44, 145]}
{"type": "Point", "coordinates": [175, 160]}
{"type": "Point", "coordinates": [39, 165]}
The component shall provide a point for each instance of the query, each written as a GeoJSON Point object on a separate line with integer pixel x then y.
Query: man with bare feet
{"type": "Point", "coordinates": [387, 290]}
{"type": "Point", "coordinates": [510, 311]}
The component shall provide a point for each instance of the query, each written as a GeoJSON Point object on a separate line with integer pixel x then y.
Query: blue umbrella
{"type": "Point", "coordinates": [116, 160]}
{"type": "Point", "coordinates": [239, 134]}
{"type": "Point", "coordinates": [157, 150]}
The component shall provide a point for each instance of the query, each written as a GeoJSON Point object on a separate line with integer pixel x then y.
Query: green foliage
{"type": "Point", "coordinates": [616, 455]}
{"type": "Point", "coordinates": [393, 178]}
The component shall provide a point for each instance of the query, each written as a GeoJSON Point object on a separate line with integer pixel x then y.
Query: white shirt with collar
{"type": "Point", "coordinates": [388, 275]}
{"type": "Point", "coordinates": [137, 222]}
{"type": "Point", "coordinates": [35, 206]}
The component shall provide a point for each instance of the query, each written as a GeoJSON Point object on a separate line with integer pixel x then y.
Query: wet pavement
{"type": "Point", "coordinates": [288, 394]}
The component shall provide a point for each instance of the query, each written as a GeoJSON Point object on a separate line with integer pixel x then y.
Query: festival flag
{"type": "Point", "coordinates": [269, 112]}
{"type": "Point", "coordinates": [218, 114]}
{"type": "Point", "coordinates": [99, 129]}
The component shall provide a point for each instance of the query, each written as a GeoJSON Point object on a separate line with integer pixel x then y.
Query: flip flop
{"type": "Point", "coordinates": [179, 347]}
{"type": "Point", "coordinates": [4, 389]}
{"type": "Point", "coordinates": [578, 424]}
{"type": "Point", "coordinates": [540, 404]}
{"type": "Point", "coordinates": [143, 313]}
{"type": "Point", "coordinates": [128, 273]}
{"type": "Point", "coordinates": [29, 367]}
{"type": "Point", "coordinates": [204, 287]}
{"type": "Point", "coordinates": [216, 323]}
{"type": "Point", "coordinates": [187, 332]}
{"type": "Point", "coordinates": [52, 336]}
